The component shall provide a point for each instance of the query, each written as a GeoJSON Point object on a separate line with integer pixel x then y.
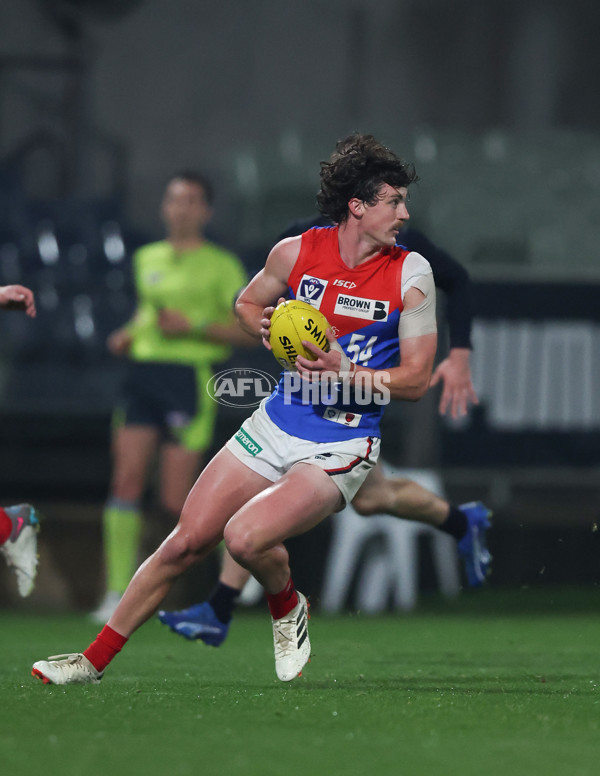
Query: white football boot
{"type": "Point", "coordinates": [20, 549]}
{"type": "Point", "coordinates": [291, 642]}
{"type": "Point", "coordinates": [72, 668]}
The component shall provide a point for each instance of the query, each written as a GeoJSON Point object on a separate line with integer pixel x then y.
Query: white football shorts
{"type": "Point", "coordinates": [271, 452]}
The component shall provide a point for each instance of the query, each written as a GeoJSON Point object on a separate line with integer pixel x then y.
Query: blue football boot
{"type": "Point", "coordinates": [472, 547]}
{"type": "Point", "coordinates": [197, 622]}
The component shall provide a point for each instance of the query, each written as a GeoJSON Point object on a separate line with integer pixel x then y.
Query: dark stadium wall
{"type": "Point", "coordinates": [196, 82]}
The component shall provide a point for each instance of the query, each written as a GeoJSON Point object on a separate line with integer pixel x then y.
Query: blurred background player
{"type": "Point", "coordinates": [183, 324]}
{"type": "Point", "coordinates": [396, 496]}
{"type": "Point", "coordinates": [19, 524]}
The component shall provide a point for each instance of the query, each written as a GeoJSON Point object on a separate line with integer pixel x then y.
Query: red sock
{"type": "Point", "coordinates": [282, 603]}
{"type": "Point", "coordinates": [5, 526]}
{"type": "Point", "coordinates": [108, 643]}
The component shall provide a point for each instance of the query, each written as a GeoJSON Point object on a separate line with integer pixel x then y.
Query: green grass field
{"type": "Point", "coordinates": [485, 686]}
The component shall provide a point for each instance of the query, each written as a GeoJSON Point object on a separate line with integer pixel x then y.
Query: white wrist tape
{"type": "Point", "coordinates": [347, 367]}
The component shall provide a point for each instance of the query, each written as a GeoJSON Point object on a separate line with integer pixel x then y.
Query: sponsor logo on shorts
{"type": "Point", "coordinates": [247, 442]}
{"type": "Point", "coordinates": [351, 419]}
{"type": "Point", "coordinates": [311, 290]}
{"type": "Point", "coordinates": [240, 387]}
{"type": "Point", "coordinates": [359, 307]}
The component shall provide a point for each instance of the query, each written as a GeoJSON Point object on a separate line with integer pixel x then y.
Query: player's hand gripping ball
{"type": "Point", "coordinates": [292, 322]}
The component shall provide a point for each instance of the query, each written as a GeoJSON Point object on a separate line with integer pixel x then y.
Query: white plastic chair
{"type": "Point", "coordinates": [394, 571]}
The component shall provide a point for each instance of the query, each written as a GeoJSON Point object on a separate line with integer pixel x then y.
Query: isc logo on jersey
{"type": "Point", "coordinates": [344, 283]}
{"type": "Point", "coordinates": [311, 290]}
{"type": "Point", "coordinates": [358, 307]}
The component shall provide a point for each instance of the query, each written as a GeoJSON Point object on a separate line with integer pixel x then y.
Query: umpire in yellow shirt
{"type": "Point", "coordinates": [183, 325]}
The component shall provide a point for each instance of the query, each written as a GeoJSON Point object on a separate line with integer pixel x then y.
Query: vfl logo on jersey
{"type": "Point", "coordinates": [311, 290]}
{"type": "Point", "coordinates": [357, 307]}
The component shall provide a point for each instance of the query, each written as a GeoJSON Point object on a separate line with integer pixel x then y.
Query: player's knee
{"type": "Point", "coordinates": [175, 548]}
{"type": "Point", "coordinates": [180, 549]}
{"type": "Point", "coordinates": [364, 505]}
{"type": "Point", "coordinates": [240, 544]}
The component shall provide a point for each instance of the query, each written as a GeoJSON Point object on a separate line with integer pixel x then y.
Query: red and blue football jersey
{"type": "Point", "coordinates": [363, 306]}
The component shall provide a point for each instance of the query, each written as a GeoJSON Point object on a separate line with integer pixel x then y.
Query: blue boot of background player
{"type": "Point", "coordinates": [472, 547]}
{"type": "Point", "coordinates": [197, 622]}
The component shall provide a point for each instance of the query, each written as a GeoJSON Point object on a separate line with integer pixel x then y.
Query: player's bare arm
{"type": "Point", "coordinates": [256, 303]}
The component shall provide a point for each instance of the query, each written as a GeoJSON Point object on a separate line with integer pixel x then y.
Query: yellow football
{"type": "Point", "coordinates": [292, 322]}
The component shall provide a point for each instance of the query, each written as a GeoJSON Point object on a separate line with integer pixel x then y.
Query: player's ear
{"type": "Point", "coordinates": [356, 207]}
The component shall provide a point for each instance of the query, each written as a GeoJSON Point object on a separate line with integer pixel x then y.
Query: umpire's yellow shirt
{"type": "Point", "coordinates": [201, 283]}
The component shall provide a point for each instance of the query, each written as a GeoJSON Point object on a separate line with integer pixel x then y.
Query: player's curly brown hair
{"type": "Point", "coordinates": [358, 167]}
